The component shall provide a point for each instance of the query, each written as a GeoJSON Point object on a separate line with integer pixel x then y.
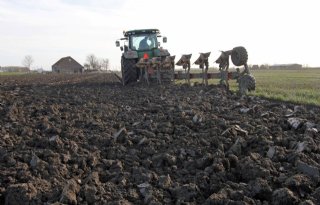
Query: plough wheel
{"type": "Point", "coordinates": [247, 83]}
{"type": "Point", "coordinates": [239, 56]}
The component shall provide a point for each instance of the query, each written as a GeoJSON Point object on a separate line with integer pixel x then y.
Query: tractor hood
{"type": "Point", "coordinates": [154, 53]}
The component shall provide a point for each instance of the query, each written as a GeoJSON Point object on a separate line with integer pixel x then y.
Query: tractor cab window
{"type": "Point", "coordinates": [143, 42]}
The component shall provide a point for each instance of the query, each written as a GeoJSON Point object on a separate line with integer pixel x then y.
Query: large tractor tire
{"type": "Point", "coordinates": [247, 83]}
{"type": "Point", "coordinates": [239, 56]}
{"type": "Point", "coordinates": [128, 70]}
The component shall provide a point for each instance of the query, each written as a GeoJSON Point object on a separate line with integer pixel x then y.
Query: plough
{"type": "Point", "coordinates": [163, 70]}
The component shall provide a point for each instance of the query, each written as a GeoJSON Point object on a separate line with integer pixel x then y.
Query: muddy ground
{"type": "Point", "coordinates": [86, 139]}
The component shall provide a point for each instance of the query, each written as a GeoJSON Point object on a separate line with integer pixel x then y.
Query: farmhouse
{"type": "Point", "coordinates": [255, 67]}
{"type": "Point", "coordinates": [67, 65]}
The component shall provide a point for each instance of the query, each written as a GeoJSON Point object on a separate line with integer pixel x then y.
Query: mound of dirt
{"type": "Point", "coordinates": [86, 139]}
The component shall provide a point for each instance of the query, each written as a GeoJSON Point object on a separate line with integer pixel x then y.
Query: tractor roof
{"type": "Point", "coordinates": [140, 31]}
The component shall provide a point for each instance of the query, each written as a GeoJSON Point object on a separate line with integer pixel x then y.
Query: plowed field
{"type": "Point", "coordinates": [86, 139]}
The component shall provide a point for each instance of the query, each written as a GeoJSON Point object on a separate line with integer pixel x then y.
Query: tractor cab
{"type": "Point", "coordinates": [143, 42]}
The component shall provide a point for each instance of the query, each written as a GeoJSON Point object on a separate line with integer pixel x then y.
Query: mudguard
{"type": "Point", "coordinates": [162, 52]}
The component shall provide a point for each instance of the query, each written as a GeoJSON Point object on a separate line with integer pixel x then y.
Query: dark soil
{"type": "Point", "coordinates": [86, 139]}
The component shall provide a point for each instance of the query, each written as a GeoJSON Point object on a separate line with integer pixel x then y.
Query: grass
{"type": "Point", "coordinates": [12, 73]}
{"type": "Point", "coordinates": [298, 86]}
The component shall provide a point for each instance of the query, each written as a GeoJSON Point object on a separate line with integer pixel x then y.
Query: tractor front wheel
{"type": "Point", "coordinates": [128, 70]}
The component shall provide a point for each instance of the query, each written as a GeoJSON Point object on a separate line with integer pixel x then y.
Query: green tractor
{"type": "Point", "coordinates": [140, 46]}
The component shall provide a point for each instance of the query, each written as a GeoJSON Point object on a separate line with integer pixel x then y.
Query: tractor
{"type": "Point", "coordinates": [139, 48]}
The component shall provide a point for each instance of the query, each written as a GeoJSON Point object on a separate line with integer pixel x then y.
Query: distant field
{"type": "Point", "coordinates": [301, 86]}
{"type": "Point", "coordinates": [12, 73]}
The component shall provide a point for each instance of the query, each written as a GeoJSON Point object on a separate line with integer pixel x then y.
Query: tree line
{"type": "Point", "coordinates": [95, 63]}
{"type": "Point", "coordinates": [92, 62]}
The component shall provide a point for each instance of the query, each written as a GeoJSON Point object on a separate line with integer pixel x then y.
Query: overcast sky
{"type": "Point", "coordinates": [273, 31]}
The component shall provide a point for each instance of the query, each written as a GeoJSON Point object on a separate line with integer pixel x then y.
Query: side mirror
{"type": "Point", "coordinates": [121, 48]}
{"type": "Point", "coordinates": [117, 43]}
{"type": "Point", "coordinates": [164, 39]}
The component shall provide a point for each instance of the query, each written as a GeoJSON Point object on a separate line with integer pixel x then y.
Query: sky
{"type": "Point", "coordinates": [272, 31]}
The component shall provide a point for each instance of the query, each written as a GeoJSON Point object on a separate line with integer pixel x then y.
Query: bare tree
{"type": "Point", "coordinates": [86, 66]}
{"type": "Point", "coordinates": [27, 61]}
{"type": "Point", "coordinates": [92, 61]}
{"type": "Point", "coordinates": [104, 63]}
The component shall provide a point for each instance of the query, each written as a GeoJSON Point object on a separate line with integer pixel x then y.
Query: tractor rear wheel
{"type": "Point", "coordinates": [239, 56]}
{"type": "Point", "coordinates": [247, 83]}
{"type": "Point", "coordinates": [128, 70]}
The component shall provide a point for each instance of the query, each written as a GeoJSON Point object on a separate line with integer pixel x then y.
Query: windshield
{"type": "Point", "coordinates": [143, 42]}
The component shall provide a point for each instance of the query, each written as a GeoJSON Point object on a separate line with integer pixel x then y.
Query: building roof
{"type": "Point", "coordinates": [65, 61]}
